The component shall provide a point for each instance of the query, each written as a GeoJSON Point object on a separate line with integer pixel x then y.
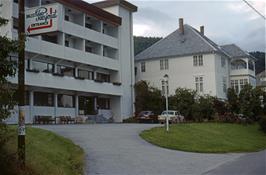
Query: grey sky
{"type": "Point", "coordinates": [225, 21]}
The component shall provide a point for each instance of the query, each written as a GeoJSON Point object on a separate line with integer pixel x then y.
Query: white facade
{"type": "Point", "coordinates": [88, 59]}
{"type": "Point", "coordinates": [207, 72]}
{"type": "Point", "coordinates": [182, 73]}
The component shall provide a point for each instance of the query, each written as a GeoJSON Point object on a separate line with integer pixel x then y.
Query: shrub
{"type": "Point", "coordinates": [262, 123]}
{"type": "Point", "coordinates": [131, 120]}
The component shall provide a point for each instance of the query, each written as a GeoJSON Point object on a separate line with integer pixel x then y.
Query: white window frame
{"type": "Point", "coordinates": [199, 83]}
{"type": "Point", "coordinates": [143, 67]}
{"type": "Point", "coordinates": [161, 64]}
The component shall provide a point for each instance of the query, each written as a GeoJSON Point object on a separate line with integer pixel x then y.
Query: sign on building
{"type": "Point", "coordinates": [42, 19]}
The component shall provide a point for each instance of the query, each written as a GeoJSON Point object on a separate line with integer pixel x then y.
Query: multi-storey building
{"type": "Point", "coordinates": [191, 60]}
{"type": "Point", "coordinates": [85, 68]}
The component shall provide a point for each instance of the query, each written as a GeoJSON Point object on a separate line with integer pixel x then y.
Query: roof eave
{"type": "Point", "coordinates": [92, 11]}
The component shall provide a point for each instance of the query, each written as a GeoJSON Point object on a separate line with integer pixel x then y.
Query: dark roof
{"type": "Point", "coordinates": [110, 3]}
{"type": "Point", "coordinates": [177, 44]}
{"type": "Point", "coordinates": [92, 11]}
{"type": "Point", "coordinates": [235, 52]}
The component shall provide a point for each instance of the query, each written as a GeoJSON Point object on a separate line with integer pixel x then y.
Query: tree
{"type": "Point", "coordinates": [7, 69]}
{"type": "Point", "coordinates": [148, 98]}
{"type": "Point", "coordinates": [232, 98]}
{"type": "Point", "coordinates": [184, 100]}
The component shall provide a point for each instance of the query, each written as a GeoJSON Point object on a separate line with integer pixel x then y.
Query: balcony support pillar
{"type": "Point", "coordinates": [55, 104]}
{"type": "Point", "coordinates": [31, 93]}
{"type": "Point", "coordinates": [76, 105]}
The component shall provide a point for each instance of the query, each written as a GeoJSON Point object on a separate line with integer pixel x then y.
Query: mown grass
{"type": "Point", "coordinates": [208, 137]}
{"type": "Point", "coordinates": [48, 153]}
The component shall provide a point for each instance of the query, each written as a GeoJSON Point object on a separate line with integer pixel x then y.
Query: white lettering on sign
{"type": "Point", "coordinates": [21, 130]}
{"type": "Point", "coordinates": [41, 19]}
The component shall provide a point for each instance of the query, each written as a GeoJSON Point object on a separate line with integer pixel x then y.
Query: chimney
{"type": "Point", "coordinates": [202, 30]}
{"type": "Point", "coordinates": [181, 26]}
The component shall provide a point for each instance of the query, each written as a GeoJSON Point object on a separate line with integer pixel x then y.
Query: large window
{"type": "Point", "coordinates": [197, 60]}
{"type": "Point", "coordinates": [143, 67]}
{"type": "Point", "coordinates": [41, 66]}
{"type": "Point", "coordinates": [103, 77]}
{"type": "Point", "coordinates": [43, 99]}
{"type": "Point", "coordinates": [86, 74]}
{"type": "Point", "coordinates": [66, 101]}
{"type": "Point", "coordinates": [238, 64]}
{"type": "Point", "coordinates": [67, 71]}
{"type": "Point", "coordinates": [199, 83]}
{"type": "Point", "coordinates": [164, 64]}
{"type": "Point", "coordinates": [86, 105]}
{"type": "Point", "coordinates": [103, 103]}
{"type": "Point", "coordinates": [238, 85]}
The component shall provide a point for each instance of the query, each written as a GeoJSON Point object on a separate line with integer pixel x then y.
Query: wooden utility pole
{"type": "Point", "coordinates": [21, 85]}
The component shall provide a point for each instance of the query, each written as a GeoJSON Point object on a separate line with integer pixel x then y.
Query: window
{"type": "Point", "coordinates": [66, 43]}
{"type": "Point", "coordinates": [241, 83]}
{"type": "Point", "coordinates": [43, 99]}
{"type": "Point", "coordinates": [41, 66]}
{"type": "Point", "coordinates": [161, 65]}
{"type": "Point", "coordinates": [15, 23]}
{"type": "Point", "coordinates": [197, 60]}
{"type": "Point", "coordinates": [200, 60]}
{"type": "Point", "coordinates": [86, 105]}
{"type": "Point", "coordinates": [64, 70]}
{"type": "Point", "coordinates": [199, 83]}
{"type": "Point", "coordinates": [222, 61]}
{"type": "Point", "coordinates": [234, 85]}
{"type": "Point", "coordinates": [66, 101]}
{"type": "Point", "coordinates": [103, 103]}
{"type": "Point", "coordinates": [86, 74]}
{"type": "Point", "coordinates": [164, 64]}
{"type": "Point", "coordinates": [66, 17]}
{"type": "Point", "coordinates": [103, 77]}
{"type": "Point", "coordinates": [143, 67]}
{"type": "Point", "coordinates": [224, 84]}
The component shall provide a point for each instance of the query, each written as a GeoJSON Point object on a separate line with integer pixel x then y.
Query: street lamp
{"type": "Point", "coordinates": [165, 90]}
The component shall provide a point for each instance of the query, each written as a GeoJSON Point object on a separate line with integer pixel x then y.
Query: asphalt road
{"type": "Point", "coordinates": [117, 149]}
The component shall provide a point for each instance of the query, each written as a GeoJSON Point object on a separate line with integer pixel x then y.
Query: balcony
{"type": "Point", "coordinates": [89, 34]}
{"type": "Point", "coordinates": [46, 80]}
{"type": "Point", "coordinates": [70, 54]}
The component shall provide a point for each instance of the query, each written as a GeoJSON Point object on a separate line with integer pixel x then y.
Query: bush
{"type": "Point", "coordinates": [262, 123]}
{"type": "Point", "coordinates": [131, 120]}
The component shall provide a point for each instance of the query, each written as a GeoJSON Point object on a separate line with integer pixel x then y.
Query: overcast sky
{"type": "Point", "coordinates": [225, 21]}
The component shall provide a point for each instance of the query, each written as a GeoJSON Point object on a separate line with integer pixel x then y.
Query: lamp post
{"type": "Point", "coordinates": [165, 88]}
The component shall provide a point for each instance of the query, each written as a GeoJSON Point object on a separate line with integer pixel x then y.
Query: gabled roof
{"type": "Point", "coordinates": [110, 3]}
{"type": "Point", "coordinates": [92, 11]}
{"type": "Point", "coordinates": [177, 44]}
{"type": "Point", "coordinates": [235, 52]}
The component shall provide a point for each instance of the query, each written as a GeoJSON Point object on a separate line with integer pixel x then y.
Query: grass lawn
{"type": "Point", "coordinates": [208, 137]}
{"type": "Point", "coordinates": [48, 153]}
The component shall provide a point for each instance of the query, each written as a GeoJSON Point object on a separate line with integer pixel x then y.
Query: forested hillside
{"type": "Point", "coordinates": [141, 43]}
{"type": "Point", "coordinates": [260, 63]}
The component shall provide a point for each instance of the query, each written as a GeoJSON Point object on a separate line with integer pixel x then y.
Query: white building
{"type": "Point", "coordinates": [193, 61]}
{"type": "Point", "coordinates": [86, 67]}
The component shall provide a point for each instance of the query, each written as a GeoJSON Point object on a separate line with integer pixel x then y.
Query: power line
{"type": "Point", "coordinates": [255, 9]}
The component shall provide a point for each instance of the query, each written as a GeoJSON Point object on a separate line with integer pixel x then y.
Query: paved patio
{"type": "Point", "coordinates": [117, 149]}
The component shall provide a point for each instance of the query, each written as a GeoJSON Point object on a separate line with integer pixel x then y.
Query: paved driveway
{"type": "Point", "coordinates": [116, 149]}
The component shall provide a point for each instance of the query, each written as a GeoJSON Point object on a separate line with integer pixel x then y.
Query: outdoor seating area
{"type": "Point", "coordinates": [57, 120]}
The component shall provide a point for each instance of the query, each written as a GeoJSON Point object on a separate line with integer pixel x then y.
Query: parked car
{"type": "Point", "coordinates": [173, 116]}
{"type": "Point", "coordinates": [147, 117]}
